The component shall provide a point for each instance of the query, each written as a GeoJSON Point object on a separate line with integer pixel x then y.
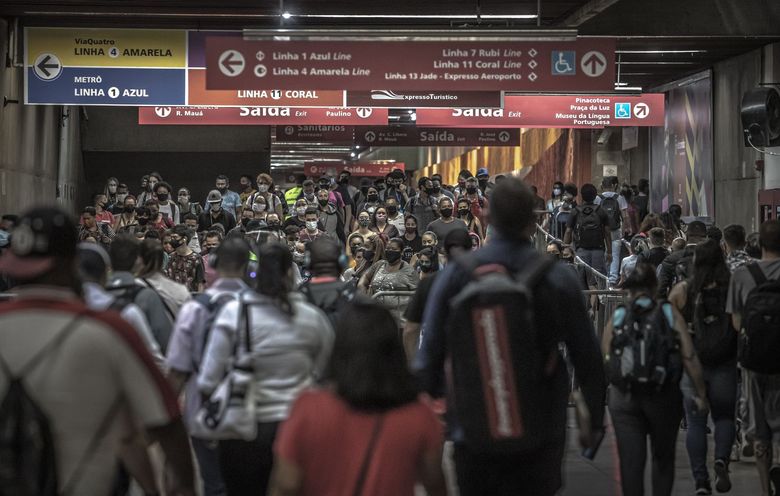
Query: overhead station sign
{"type": "Point", "coordinates": [557, 111]}
{"type": "Point", "coordinates": [369, 169]}
{"type": "Point", "coordinates": [83, 66]}
{"type": "Point", "coordinates": [420, 136]}
{"type": "Point", "coordinates": [582, 65]}
{"type": "Point", "coordinates": [260, 116]}
{"type": "Point", "coordinates": [425, 99]}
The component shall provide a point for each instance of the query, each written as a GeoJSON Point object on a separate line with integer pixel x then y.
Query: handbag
{"type": "Point", "coordinates": [368, 457]}
{"type": "Point", "coordinates": [229, 413]}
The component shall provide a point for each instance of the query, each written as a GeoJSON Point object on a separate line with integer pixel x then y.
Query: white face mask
{"type": "Point", "coordinates": [258, 207]}
{"type": "Point", "coordinates": [300, 210]}
{"type": "Point", "coordinates": [263, 188]}
{"type": "Point", "coordinates": [311, 225]}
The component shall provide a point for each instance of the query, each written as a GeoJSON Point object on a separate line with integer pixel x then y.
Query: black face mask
{"type": "Point", "coordinates": [392, 209]}
{"type": "Point", "coordinates": [373, 197]}
{"type": "Point", "coordinates": [222, 190]}
{"type": "Point", "coordinates": [436, 190]}
{"type": "Point", "coordinates": [368, 256]}
{"type": "Point", "coordinates": [163, 197]}
{"type": "Point", "coordinates": [446, 212]}
{"type": "Point", "coordinates": [392, 256]}
{"type": "Point", "coordinates": [471, 189]}
{"type": "Point", "coordinates": [274, 224]}
{"type": "Point", "coordinates": [483, 183]}
{"type": "Point", "coordinates": [129, 209]}
{"type": "Point", "coordinates": [463, 212]}
{"type": "Point", "coordinates": [426, 267]}
{"type": "Point", "coordinates": [323, 202]}
{"type": "Point", "coordinates": [142, 221]}
{"type": "Point", "coordinates": [175, 243]}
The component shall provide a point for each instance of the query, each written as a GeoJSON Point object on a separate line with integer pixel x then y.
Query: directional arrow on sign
{"type": "Point", "coordinates": [594, 64]}
{"type": "Point", "coordinates": [47, 66]}
{"type": "Point", "coordinates": [231, 63]}
{"type": "Point", "coordinates": [641, 110]}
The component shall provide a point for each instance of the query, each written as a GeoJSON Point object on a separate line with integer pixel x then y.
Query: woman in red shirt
{"type": "Point", "coordinates": [367, 434]}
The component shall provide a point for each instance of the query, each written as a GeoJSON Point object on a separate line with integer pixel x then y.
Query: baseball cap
{"type": "Point", "coordinates": [482, 172]}
{"type": "Point", "coordinates": [43, 236]}
{"type": "Point", "coordinates": [214, 196]}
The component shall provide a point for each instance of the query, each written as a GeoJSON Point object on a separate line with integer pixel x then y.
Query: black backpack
{"type": "Point", "coordinates": [330, 297]}
{"type": "Point", "coordinates": [645, 350]}
{"type": "Point", "coordinates": [759, 339]}
{"type": "Point", "coordinates": [714, 337]}
{"type": "Point", "coordinates": [498, 372]}
{"type": "Point", "coordinates": [611, 206]}
{"type": "Point", "coordinates": [28, 460]}
{"type": "Point", "coordinates": [589, 229]}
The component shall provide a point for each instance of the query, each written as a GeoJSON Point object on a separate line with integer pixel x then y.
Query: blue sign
{"type": "Point", "coordinates": [622, 110]}
{"type": "Point", "coordinates": [108, 86]}
{"type": "Point", "coordinates": [564, 63]}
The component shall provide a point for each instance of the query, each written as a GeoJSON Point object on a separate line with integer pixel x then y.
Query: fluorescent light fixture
{"type": "Point", "coordinates": [654, 62]}
{"type": "Point", "coordinates": [286, 15]}
{"type": "Point", "coordinates": [353, 154]}
{"type": "Point", "coordinates": [628, 88]}
{"type": "Point", "coordinates": [414, 16]}
{"type": "Point", "coordinates": [621, 84]}
{"type": "Point", "coordinates": [658, 51]}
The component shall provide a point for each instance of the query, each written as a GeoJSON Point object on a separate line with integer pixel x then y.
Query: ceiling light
{"type": "Point", "coordinates": [659, 51]}
{"type": "Point", "coordinates": [415, 16]}
{"type": "Point", "coordinates": [628, 88]}
{"type": "Point", "coordinates": [353, 154]}
{"type": "Point", "coordinates": [286, 15]}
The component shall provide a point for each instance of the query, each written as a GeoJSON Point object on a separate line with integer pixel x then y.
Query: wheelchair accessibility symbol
{"type": "Point", "coordinates": [564, 63]}
{"type": "Point", "coordinates": [622, 111]}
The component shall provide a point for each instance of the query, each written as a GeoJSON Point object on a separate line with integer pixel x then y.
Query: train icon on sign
{"type": "Point", "coordinates": [162, 112]}
{"type": "Point", "coordinates": [364, 112]}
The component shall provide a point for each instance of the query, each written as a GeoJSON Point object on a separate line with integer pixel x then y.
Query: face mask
{"type": "Point", "coordinates": [175, 243]}
{"type": "Point", "coordinates": [364, 222]}
{"type": "Point", "coordinates": [142, 221]}
{"type": "Point", "coordinates": [323, 203]}
{"type": "Point", "coordinates": [263, 188]}
{"type": "Point", "coordinates": [298, 256]}
{"type": "Point", "coordinates": [483, 183]}
{"type": "Point", "coordinates": [216, 207]}
{"type": "Point", "coordinates": [300, 210]}
{"type": "Point", "coordinates": [258, 207]}
{"type": "Point", "coordinates": [381, 186]}
{"type": "Point", "coordinates": [245, 221]}
{"type": "Point", "coordinates": [425, 267]}
{"type": "Point", "coordinates": [274, 224]}
{"type": "Point", "coordinates": [392, 256]}
{"type": "Point", "coordinates": [129, 209]}
{"type": "Point", "coordinates": [311, 225]}
{"type": "Point", "coordinates": [368, 255]}
{"type": "Point", "coordinates": [222, 190]}
{"type": "Point", "coordinates": [471, 189]}
{"type": "Point", "coordinates": [392, 209]}
{"type": "Point", "coordinates": [354, 247]}
{"type": "Point", "coordinates": [568, 259]}
{"type": "Point", "coordinates": [411, 229]}
{"type": "Point", "coordinates": [463, 212]}
{"type": "Point", "coordinates": [446, 212]}
{"type": "Point", "coordinates": [373, 197]}
{"type": "Point", "coordinates": [436, 190]}
{"type": "Point", "coordinates": [163, 197]}
{"type": "Point", "coordinates": [153, 214]}
{"type": "Point", "coordinates": [184, 199]}
{"type": "Point", "coordinates": [364, 190]}
{"type": "Point", "coordinates": [309, 197]}
{"type": "Point", "coordinates": [556, 192]}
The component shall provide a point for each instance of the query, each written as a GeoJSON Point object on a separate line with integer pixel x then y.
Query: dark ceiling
{"type": "Point", "coordinates": [658, 41]}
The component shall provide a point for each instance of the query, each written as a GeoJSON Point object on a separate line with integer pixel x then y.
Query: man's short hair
{"type": "Point", "coordinates": [570, 188]}
{"type": "Point", "coordinates": [233, 254]}
{"type": "Point", "coordinates": [697, 230]}
{"type": "Point", "coordinates": [124, 252]}
{"type": "Point", "coordinates": [512, 208]}
{"type": "Point", "coordinates": [223, 177]}
{"type": "Point", "coordinates": [714, 232]}
{"type": "Point", "coordinates": [769, 236]}
{"type": "Point", "coordinates": [421, 182]}
{"type": "Point", "coordinates": [213, 234]}
{"type": "Point", "coordinates": [311, 211]}
{"type": "Point", "coordinates": [162, 184]}
{"type": "Point", "coordinates": [183, 231]}
{"type": "Point", "coordinates": [657, 236]}
{"type": "Point", "coordinates": [324, 254]}
{"type": "Point", "coordinates": [588, 192]}
{"type": "Point", "coordinates": [735, 236]}
{"type": "Point", "coordinates": [609, 182]}
{"type": "Point", "coordinates": [189, 216]}
{"type": "Point", "coordinates": [89, 210]}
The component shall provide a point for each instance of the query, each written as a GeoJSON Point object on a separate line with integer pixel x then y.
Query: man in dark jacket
{"type": "Point", "coordinates": [537, 472]}
{"type": "Point", "coordinates": [676, 266]}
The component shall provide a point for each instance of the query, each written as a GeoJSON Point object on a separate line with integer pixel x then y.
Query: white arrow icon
{"type": "Point", "coordinates": [231, 63]}
{"type": "Point", "coordinates": [47, 66]}
{"type": "Point", "coordinates": [503, 136]}
{"type": "Point", "coordinates": [593, 64]}
{"type": "Point", "coordinates": [641, 110]}
{"type": "Point", "coordinates": [370, 136]}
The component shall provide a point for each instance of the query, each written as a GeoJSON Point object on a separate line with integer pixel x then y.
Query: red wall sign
{"type": "Point", "coordinates": [260, 116]}
{"type": "Point", "coordinates": [342, 135]}
{"type": "Point", "coordinates": [565, 66]}
{"type": "Point", "coordinates": [425, 99]}
{"type": "Point", "coordinates": [356, 169]}
{"type": "Point", "coordinates": [422, 136]}
{"type": "Point", "coordinates": [557, 111]}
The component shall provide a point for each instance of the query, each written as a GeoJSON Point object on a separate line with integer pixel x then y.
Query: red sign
{"type": "Point", "coordinates": [558, 111]}
{"type": "Point", "coordinates": [198, 95]}
{"type": "Point", "coordinates": [316, 134]}
{"type": "Point", "coordinates": [369, 169]}
{"type": "Point", "coordinates": [424, 136]}
{"type": "Point", "coordinates": [260, 116]}
{"type": "Point", "coordinates": [564, 66]}
{"type": "Point", "coordinates": [425, 99]}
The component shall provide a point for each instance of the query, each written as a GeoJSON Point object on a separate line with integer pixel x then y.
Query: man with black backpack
{"type": "Point", "coordinates": [325, 261]}
{"type": "Point", "coordinates": [676, 267]}
{"type": "Point", "coordinates": [188, 343]}
{"type": "Point", "coordinates": [75, 382]}
{"type": "Point", "coordinates": [507, 395]}
{"type": "Point", "coordinates": [616, 208]}
{"type": "Point", "coordinates": [754, 305]}
{"type": "Point", "coordinates": [587, 227]}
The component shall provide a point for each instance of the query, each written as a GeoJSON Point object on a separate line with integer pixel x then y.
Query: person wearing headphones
{"type": "Point", "coordinates": [325, 261]}
{"type": "Point", "coordinates": [185, 350]}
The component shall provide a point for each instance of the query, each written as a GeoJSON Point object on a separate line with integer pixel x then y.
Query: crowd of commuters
{"type": "Point", "coordinates": [255, 312]}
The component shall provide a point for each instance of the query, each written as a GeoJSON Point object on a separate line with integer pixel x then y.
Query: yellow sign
{"type": "Point", "coordinates": [88, 47]}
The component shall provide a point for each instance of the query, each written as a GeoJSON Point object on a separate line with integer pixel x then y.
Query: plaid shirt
{"type": "Point", "coordinates": [737, 259]}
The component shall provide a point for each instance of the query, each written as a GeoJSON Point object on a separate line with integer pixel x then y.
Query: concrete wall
{"type": "Point", "coordinates": [632, 163]}
{"type": "Point", "coordinates": [40, 154]}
